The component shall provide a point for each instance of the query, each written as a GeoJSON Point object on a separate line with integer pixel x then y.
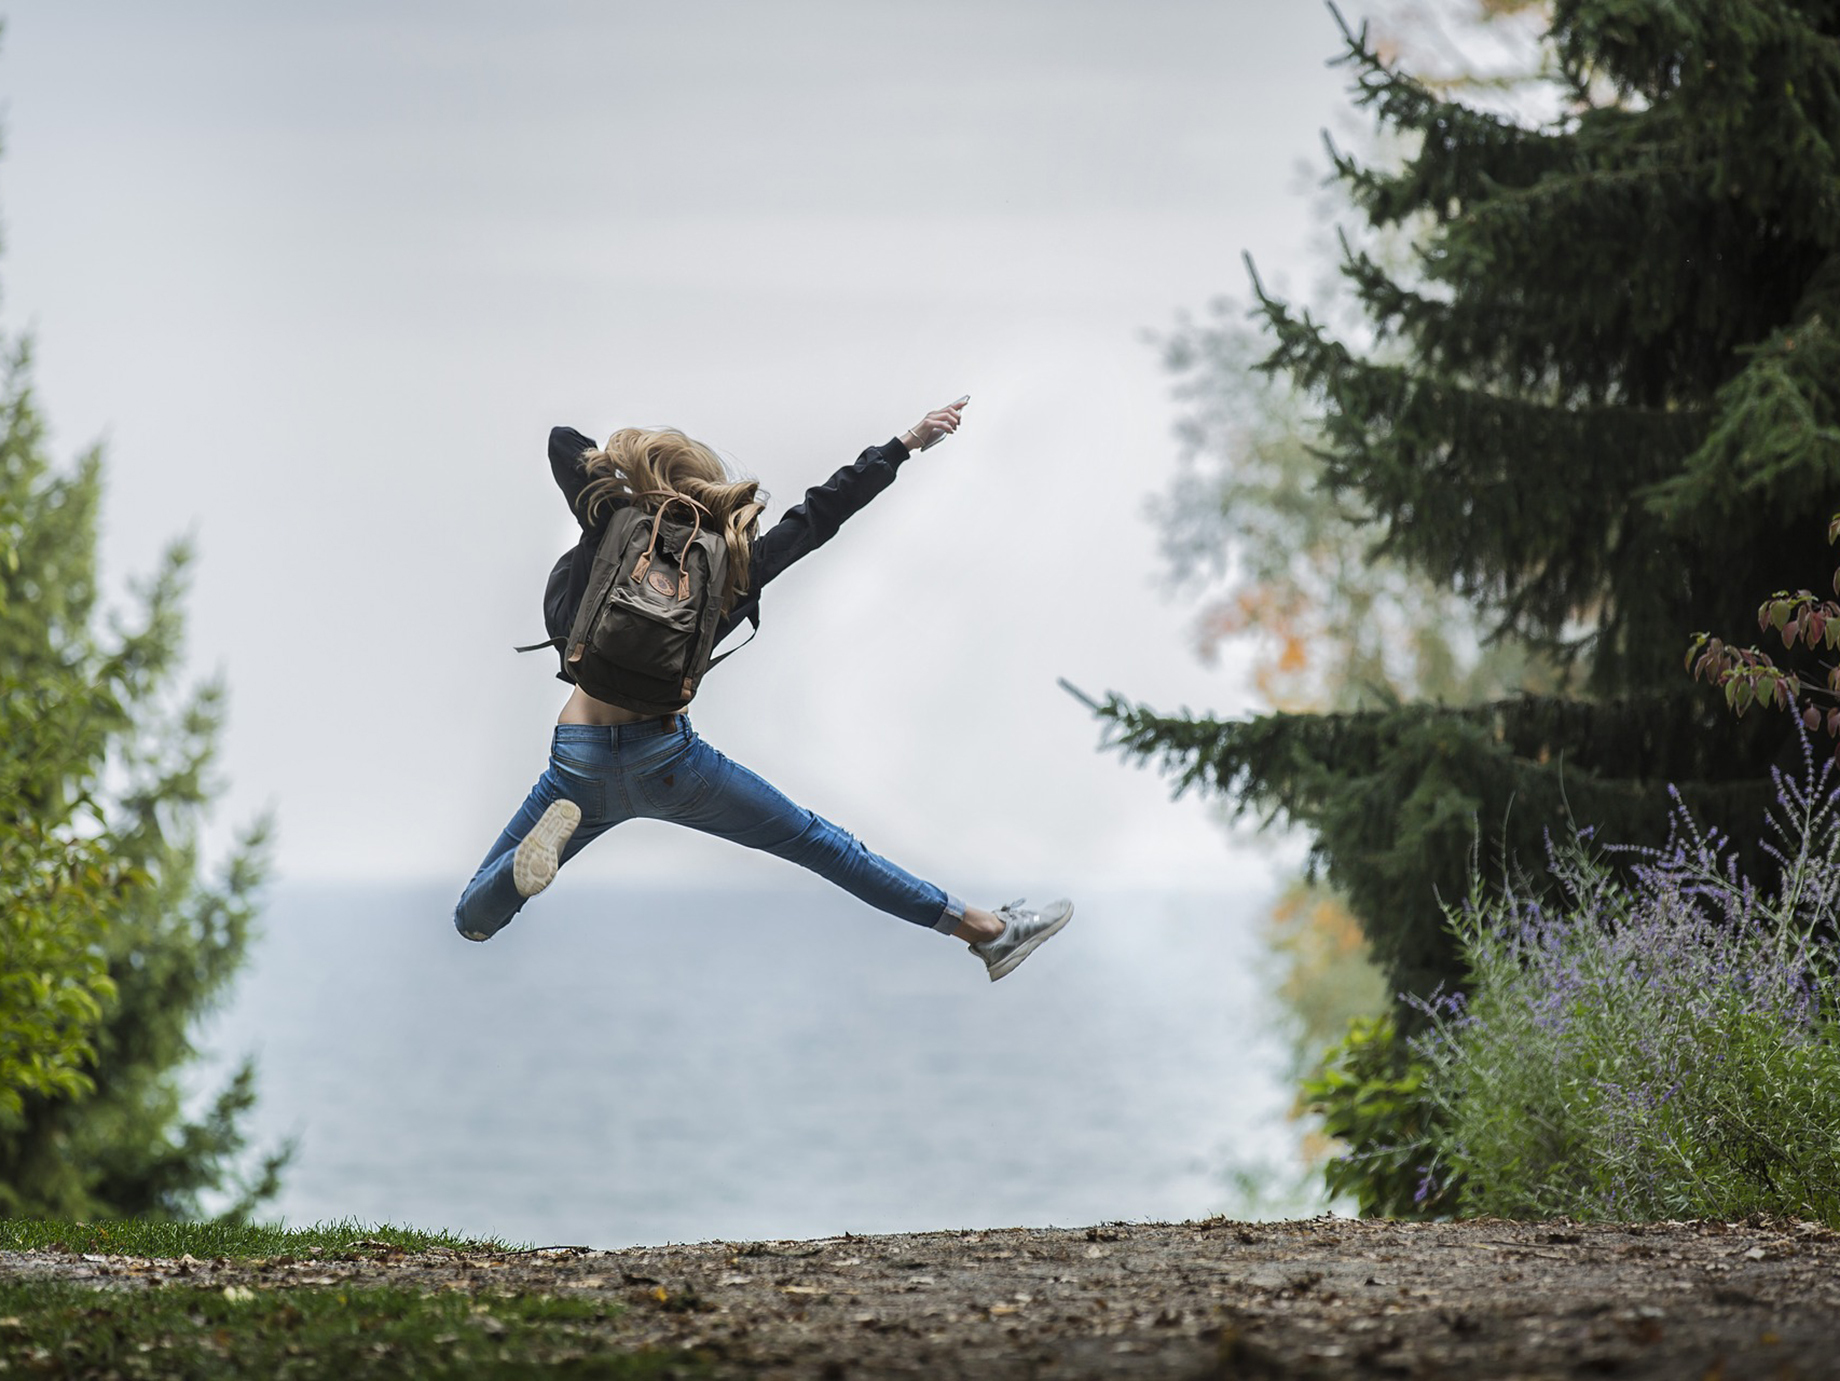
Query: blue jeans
{"type": "Point", "coordinates": [661, 770]}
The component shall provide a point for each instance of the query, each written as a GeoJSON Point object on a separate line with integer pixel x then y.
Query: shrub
{"type": "Point", "coordinates": [1660, 1043]}
{"type": "Point", "coordinates": [1370, 1095]}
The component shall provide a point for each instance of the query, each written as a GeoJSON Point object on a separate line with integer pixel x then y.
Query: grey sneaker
{"type": "Point", "coordinates": [539, 853]}
{"type": "Point", "coordinates": [1023, 930]}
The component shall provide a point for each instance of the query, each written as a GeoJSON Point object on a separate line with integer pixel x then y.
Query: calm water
{"type": "Point", "coordinates": [639, 1067]}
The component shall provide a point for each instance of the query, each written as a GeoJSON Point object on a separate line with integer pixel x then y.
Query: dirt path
{"type": "Point", "coordinates": [1326, 1298]}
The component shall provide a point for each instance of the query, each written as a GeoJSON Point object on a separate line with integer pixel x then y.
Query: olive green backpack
{"type": "Point", "coordinates": [647, 624]}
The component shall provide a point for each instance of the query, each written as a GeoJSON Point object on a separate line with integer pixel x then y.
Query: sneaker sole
{"type": "Point", "coordinates": [539, 854]}
{"type": "Point", "coordinates": [1030, 945]}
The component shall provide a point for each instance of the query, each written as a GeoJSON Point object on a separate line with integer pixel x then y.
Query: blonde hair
{"type": "Point", "coordinates": [635, 461]}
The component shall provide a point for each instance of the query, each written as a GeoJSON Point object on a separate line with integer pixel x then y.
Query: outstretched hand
{"type": "Point", "coordinates": [935, 427]}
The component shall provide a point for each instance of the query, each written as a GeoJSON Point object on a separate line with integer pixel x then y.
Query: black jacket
{"type": "Point", "coordinates": [805, 527]}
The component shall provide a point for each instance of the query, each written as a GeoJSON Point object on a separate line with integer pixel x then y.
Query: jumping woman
{"type": "Point", "coordinates": [610, 763]}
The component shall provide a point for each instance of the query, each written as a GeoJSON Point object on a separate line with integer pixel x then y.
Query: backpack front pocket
{"type": "Point", "coordinates": [651, 634]}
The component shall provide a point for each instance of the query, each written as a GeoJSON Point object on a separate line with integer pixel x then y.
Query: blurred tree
{"type": "Point", "coordinates": [1590, 408]}
{"type": "Point", "coordinates": [111, 947]}
{"type": "Point", "coordinates": [1282, 568]}
{"type": "Point", "coordinates": [1279, 560]}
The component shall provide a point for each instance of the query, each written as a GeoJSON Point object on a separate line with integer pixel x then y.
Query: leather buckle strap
{"type": "Point", "coordinates": [697, 512]}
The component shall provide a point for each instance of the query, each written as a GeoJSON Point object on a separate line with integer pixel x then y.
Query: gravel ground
{"type": "Point", "coordinates": [1325, 1298]}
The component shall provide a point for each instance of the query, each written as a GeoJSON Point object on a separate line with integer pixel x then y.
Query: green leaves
{"type": "Point", "coordinates": [1748, 676]}
{"type": "Point", "coordinates": [1370, 1096]}
{"type": "Point", "coordinates": [54, 980]}
{"type": "Point", "coordinates": [111, 945]}
{"type": "Point", "coordinates": [57, 877]}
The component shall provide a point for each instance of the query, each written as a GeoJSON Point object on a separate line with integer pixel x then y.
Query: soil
{"type": "Point", "coordinates": [1325, 1298]}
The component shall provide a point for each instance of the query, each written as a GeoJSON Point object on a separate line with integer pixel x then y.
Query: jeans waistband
{"type": "Point", "coordinates": [617, 734]}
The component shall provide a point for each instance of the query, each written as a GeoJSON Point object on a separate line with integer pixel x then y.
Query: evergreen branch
{"type": "Point", "coordinates": [1775, 440]}
{"type": "Point", "coordinates": [1459, 141]}
{"type": "Point", "coordinates": [1397, 798]}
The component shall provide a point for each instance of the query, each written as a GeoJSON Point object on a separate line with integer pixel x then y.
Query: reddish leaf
{"type": "Point", "coordinates": [1811, 719]}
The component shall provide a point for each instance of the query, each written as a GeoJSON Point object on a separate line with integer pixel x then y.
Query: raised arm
{"type": "Point", "coordinates": [811, 523]}
{"type": "Point", "coordinates": [566, 448]}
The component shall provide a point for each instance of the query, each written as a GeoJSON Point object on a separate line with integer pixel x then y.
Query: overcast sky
{"type": "Point", "coordinates": [323, 276]}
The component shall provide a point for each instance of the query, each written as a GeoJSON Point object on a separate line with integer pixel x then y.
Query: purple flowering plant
{"type": "Point", "coordinates": [1657, 1039]}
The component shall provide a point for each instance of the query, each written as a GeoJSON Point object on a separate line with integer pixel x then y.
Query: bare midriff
{"type": "Point", "coordinates": [585, 709]}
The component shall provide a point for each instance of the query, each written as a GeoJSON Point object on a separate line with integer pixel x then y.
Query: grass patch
{"type": "Point", "coordinates": [208, 1241]}
{"type": "Point", "coordinates": [70, 1329]}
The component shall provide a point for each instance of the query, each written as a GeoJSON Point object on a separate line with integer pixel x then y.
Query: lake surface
{"type": "Point", "coordinates": [622, 1066]}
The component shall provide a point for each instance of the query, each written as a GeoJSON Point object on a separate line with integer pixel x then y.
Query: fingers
{"type": "Point", "coordinates": [938, 424]}
{"type": "Point", "coordinates": [946, 418]}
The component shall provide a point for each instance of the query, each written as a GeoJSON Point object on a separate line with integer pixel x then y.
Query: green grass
{"type": "Point", "coordinates": [208, 1241]}
{"type": "Point", "coordinates": [66, 1329]}
{"type": "Point", "coordinates": [349, 1332]}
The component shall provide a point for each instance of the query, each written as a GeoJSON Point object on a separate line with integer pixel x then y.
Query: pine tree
{"type": "Point", "coordinates": [1603, 407]}
{"type": "Point", "coordinates": [111, 945]}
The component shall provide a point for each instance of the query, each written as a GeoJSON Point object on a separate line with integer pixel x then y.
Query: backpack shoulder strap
{"type": "Point", "coordinates": [753, 617]}
{"type": "Point", "coordinates": [621, 520]}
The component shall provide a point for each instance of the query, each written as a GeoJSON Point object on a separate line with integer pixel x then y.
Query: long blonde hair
{"type": "Point", "coordinates": [635, 461]}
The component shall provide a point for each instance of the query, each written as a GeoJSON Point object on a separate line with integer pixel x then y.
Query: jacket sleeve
{"type": "Point", "coordinates": [811, 523]}
{"type": "Point", "coordinates": [566, 448]}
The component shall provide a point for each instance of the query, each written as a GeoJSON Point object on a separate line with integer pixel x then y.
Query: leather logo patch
{"type": "Point", "coordinates": [662, 583]}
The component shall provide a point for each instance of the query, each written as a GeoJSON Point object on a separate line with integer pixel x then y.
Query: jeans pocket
{"type": "Point", "coordinates": [673, 788]}
{"type": "Point", "coordinates": [574, 777]}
